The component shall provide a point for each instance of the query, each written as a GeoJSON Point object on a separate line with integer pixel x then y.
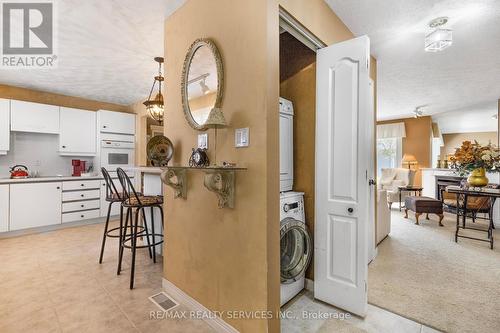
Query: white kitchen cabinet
{"type": "Point", "coordinates": [34, 117]}
{"type": "Point", "coordinates": [35, 205]}
{"type": "Point", "coordinates": [78, 132]}
{"type": "Point", "coordinates": [116, 122]}
{"type": "Point", "coordinates": [4, 126]}
{"type": "Point", "coordinates": [81, 195]}
{"type": "Point", "coordinates": [4, 208]}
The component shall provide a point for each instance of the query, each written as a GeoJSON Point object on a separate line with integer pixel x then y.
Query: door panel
{"type": "Point", "coordinates": [34, 205]}
{"type": "Point", "coordinates": [342, 162]}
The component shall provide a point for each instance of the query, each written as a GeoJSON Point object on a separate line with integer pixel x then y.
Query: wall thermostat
{"type": "Point", "coordinates": [241, 137]}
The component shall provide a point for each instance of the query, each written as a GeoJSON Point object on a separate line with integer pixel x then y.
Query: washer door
{"type": "Point", "coordinates": [296, 250]}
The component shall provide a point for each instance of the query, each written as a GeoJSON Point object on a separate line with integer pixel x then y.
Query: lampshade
{"type": "Point", "coordinates": [215, 119]}
{"type": "Point", "coordinates": [409, 160]}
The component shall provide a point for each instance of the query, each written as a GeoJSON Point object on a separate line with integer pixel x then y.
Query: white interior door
{"type": "Point", "coordinates": [372, 194]}
{"type": "Point", "coordinates": [342, 164]}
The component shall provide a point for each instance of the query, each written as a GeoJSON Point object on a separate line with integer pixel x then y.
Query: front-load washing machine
{"type": "Point", "coordinates": [295, 245]}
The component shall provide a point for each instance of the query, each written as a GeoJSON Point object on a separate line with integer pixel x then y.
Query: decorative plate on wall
{"type": "Point", "coordinates": [160, 150]}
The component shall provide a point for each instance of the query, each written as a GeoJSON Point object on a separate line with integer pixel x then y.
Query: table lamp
{"type": "Point", "coordinates": [215, 120]}
{"type": "Point", "coordinates": [409, 160]}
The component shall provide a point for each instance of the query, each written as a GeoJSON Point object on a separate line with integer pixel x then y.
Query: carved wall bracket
{"type": "Point", "coordinates": [221, 182]}
{"type": "Point", "coordinates": [179, 186]}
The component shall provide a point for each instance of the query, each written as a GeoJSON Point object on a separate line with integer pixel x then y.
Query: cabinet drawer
{"type": "Point", "coordinates": [79, 216]}
{"type": "Point", "coordinates": [81, 195]}
{"type": "Point", "coordinates": [81, 185]}
{"type": "Point", "coordinates": [80, 205]}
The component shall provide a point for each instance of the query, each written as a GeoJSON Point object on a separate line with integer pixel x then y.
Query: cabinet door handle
{"type": "Point", "coordinates": [83, 206]}
{"type": "Point", "coordinates": [82, 215]}
{"type": "Point", "coordinates": [82, 195]}
{"type": "Point", "coordinates": [104, 126]}
{"type": "Point", "coordinates": [64, 146]}
{"type": "Point", "coordinates": [82, 184]}
{"type": "Point", "coordinates": [58, 187]}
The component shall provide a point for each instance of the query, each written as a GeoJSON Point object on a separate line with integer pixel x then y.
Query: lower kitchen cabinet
{"type": "Point", "coordinates": [4, 208]}
{"type": "Point", "coordinates": [35, 205]}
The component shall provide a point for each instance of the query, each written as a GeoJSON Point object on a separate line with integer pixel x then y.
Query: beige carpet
{"type": "Point", "coordinates": [422, 274]}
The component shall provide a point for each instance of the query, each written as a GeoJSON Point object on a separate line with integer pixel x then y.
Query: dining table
{"type": "Point", "coordinates": [462, 193]}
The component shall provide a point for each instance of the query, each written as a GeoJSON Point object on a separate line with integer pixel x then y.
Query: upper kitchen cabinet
{"type": "Point", "coordinates": [116, 122]}
{"type": "Point", "coordinates": [78, 132]}
{"type": "Point", "coordinates": [4, 126]}
{"type": "Point", "coordinates": [34, 117]}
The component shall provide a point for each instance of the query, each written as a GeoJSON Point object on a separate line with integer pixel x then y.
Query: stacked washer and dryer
{"type": "Point", "coordinates": [295, 241]}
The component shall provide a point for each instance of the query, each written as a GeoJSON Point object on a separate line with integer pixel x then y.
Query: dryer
{"type": "Point", "coordinates": [286, 145]}
{"type": "Point", "coordinates": [295, 245]}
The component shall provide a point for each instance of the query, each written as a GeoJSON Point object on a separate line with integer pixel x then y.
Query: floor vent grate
{"type": "Point", "coordinates": [163, 301]}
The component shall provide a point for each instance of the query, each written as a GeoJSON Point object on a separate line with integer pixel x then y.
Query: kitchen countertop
{"type": "Point", "coordinates": [45, 179]}
{"type": "Point", "coordinates": [147, 169]}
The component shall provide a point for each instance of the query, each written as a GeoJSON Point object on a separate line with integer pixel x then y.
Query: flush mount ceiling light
{"type": "Point", "coordinates": [155, 105]}
{"type": "Point", "coordinates": [439, 39]}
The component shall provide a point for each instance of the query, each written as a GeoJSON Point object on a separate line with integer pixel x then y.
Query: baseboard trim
{"type": "Point", "coordinates": [309, 285]}
{"type": "Point", "coordinates": [53, 227]}
{"type": "Point", "coordinates": [180, 296]}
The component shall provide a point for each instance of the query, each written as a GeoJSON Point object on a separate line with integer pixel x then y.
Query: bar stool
{"type": "Point", "coordinates": [112, 196]}
{"type": "Point", "coordinates": [138, 202]}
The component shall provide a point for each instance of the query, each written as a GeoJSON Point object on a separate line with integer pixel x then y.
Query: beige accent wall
{"type": "Point", "coordinates": [418, 141]}
{"type": "Point", "coordinates": [228, 259]}
{"type": "Point", "coordinates": [37, 96]}
{"type": "Point", "coordinates": [224, 258]}
{"type": "Point", "coordinates": [301, 90]}
{"type": "Point", "coordinates": [454, 140]}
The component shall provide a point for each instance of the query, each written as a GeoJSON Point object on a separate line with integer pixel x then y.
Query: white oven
{"type": "Point", "coordinates": [117, 151]}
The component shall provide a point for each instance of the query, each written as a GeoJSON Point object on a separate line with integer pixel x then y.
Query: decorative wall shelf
{"type": "Point", "coordinates": [219, 180]}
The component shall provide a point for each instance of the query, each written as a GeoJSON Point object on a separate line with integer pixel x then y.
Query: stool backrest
{"type": "Point", "coordinates": [128, 187]}
{"type": "Point", "coordinates": [111, 191]}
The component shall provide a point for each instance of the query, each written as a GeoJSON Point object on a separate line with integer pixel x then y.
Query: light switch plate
{"type": "Point", "coordinates": [203, 141]}
{"type": "Point", "coordinates": [242, 137]}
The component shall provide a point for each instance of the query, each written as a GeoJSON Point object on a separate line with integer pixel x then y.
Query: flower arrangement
{"type": "Point", "coordinates": [472, 156]}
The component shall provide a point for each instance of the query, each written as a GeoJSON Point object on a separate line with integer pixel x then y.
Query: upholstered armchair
{"type": "Point", "coordinates": [391, 179]}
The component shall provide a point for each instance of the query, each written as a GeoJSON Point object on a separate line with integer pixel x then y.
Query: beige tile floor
{"type": "Point", "coordinates": [52, 282]}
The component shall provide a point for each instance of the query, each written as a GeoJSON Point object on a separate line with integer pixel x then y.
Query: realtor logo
{"type": "Point", "coordinates": [28, 34]}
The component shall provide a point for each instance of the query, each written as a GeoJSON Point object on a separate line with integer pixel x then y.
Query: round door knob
{"type": "Point", "coordinates": [350, 210]}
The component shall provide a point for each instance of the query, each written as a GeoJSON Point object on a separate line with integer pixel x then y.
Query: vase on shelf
{"type": "Point", "coordinates": [478, 178]}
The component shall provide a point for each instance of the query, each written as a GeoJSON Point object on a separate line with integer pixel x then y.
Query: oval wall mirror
{"type": "Point", "coordinates": [202, 82]}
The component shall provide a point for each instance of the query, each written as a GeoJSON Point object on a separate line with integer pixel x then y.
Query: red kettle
{"type": "Point", "coordinates": [19, 171]}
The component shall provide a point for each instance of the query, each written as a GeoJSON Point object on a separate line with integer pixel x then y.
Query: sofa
{"type": "Point", "coordinates": [392, 178]}
{"type": "Point", "coordinates": [383, 216]}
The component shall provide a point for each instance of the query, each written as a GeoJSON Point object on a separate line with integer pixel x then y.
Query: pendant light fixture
{"type": "Point", "coordinates": [155, 105]}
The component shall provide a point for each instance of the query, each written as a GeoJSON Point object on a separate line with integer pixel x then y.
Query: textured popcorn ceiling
{"type": "Point", "coordinates": [105, 50]}
{"type": "Point", "coordinates": [464, 77]}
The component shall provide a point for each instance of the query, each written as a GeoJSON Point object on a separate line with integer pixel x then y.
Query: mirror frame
{"type": "Point", "coordinates": [185, 73]}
